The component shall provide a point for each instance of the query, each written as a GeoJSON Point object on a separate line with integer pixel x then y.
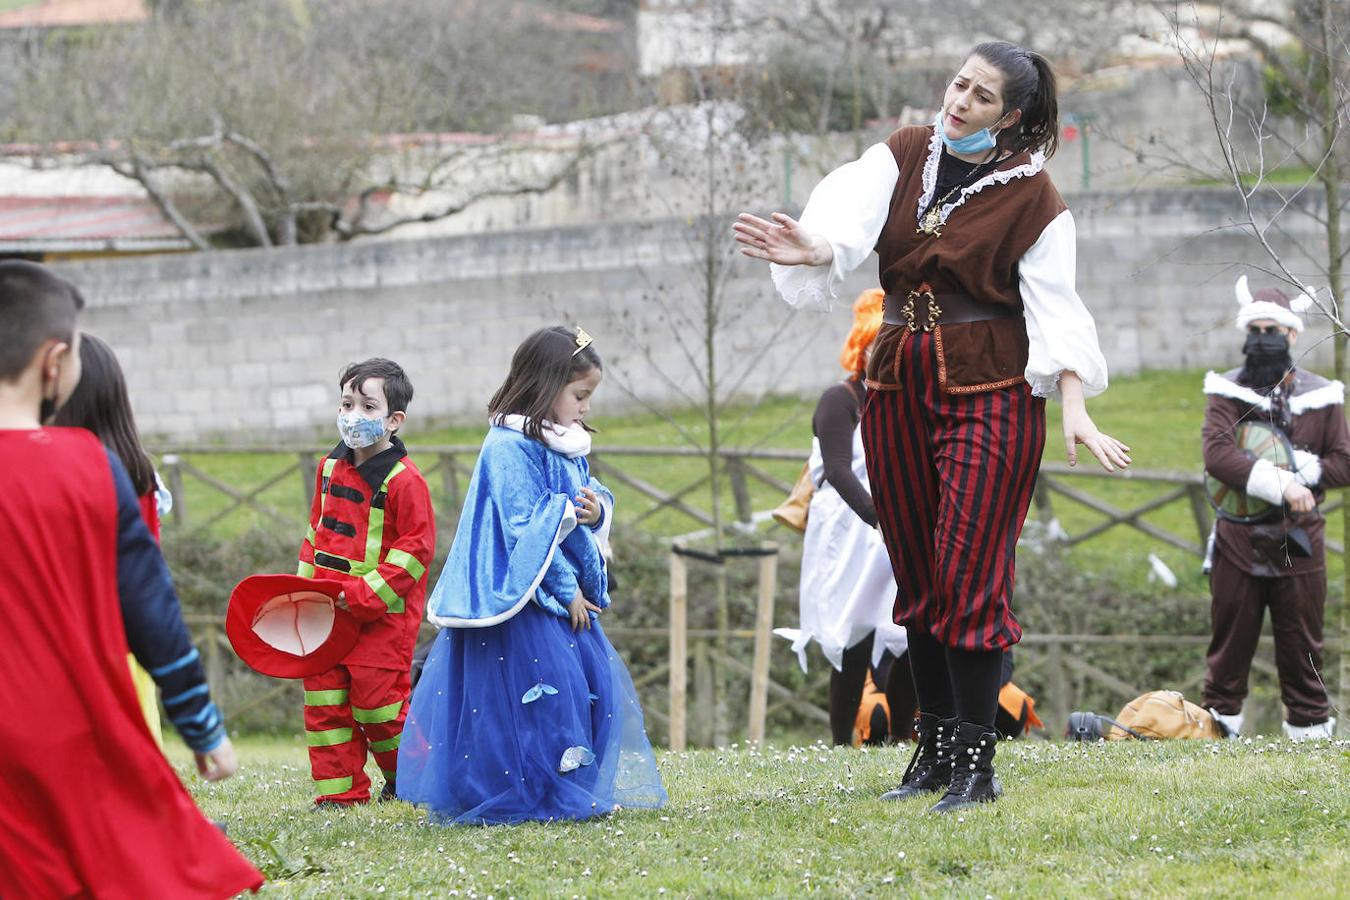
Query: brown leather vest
{"type": "Point", "coordinates": [976, 253]}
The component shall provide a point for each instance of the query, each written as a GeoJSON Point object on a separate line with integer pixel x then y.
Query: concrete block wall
{"type": "Point", "coordinates": [247, 345]}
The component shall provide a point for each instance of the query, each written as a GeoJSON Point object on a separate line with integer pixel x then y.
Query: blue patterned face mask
{"type": "Point", "coordinates": [358, 432]}
{"type": "Point", "coordinates": [978, 142]}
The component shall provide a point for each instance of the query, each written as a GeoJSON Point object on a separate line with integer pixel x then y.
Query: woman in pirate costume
{"type": "Point", "coordinates": [1278, 561]}
{"type": "Point", "coordinates": [982, 323]}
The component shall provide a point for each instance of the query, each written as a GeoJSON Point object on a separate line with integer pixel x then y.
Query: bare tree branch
{"type": "Point", "coordinates": [288, 120]}
{"type": "Point", "coordinates": [356, 226]}
{"type": "Point", "coordinates": [1200, 65]}
{"type": "Point", "coordinates": [140, 170]}
{"type": "Point", "coordinates": [242, 196]}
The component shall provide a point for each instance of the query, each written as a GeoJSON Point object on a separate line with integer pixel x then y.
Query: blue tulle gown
{"type": "Point", "coordinates": [516, 716]}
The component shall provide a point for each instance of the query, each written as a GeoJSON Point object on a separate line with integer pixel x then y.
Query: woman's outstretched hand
{"type": "Point", "coordinates": [1080, 429]}
{"type": "Point", "coordinates": [782, 241]}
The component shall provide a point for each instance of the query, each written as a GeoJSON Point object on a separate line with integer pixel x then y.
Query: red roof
{"type": "Point", "coordinates": [77, 223]}
{"type": "Point", "coordinates": [55, 13]}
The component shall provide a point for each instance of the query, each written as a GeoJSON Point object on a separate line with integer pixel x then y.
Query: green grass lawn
{"type": "Point", "coordinates": [1205, 819]}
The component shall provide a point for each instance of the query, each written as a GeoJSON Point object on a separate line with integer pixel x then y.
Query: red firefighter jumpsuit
{"type": "Point", "coordinates": [372, 528]}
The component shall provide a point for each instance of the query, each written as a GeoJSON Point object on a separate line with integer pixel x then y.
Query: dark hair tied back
{"type": "Point", "coordinates": [1028, 85]}
{"type": "Point", "coordinates": [545, 363]}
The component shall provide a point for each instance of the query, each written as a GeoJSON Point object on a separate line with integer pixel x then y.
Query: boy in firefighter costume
{"type": "Point", "coordinates": [89, 807]}
{"type": "Point", "coordinates": [1279, 562]}
{"type": "Point", "coordinates": [373, 529]}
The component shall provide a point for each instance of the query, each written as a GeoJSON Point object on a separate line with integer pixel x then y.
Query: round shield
{"type": "Point", "coordinates": [1258, 440]}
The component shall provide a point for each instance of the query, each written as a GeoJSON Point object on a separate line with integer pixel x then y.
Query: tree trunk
{"type": "Point", "coordinates": [1331, 171]}
{"type": "Point", "coordinates": [1331, 184]}
{"type": "Point", "coordinates": [712, 236]}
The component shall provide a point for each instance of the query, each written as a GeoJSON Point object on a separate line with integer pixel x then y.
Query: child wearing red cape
{"type": "Point", "coordinates": [88, 804]}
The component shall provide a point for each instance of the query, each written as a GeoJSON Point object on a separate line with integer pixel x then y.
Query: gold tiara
{"type": "Point", "coordinates": [584, 340]}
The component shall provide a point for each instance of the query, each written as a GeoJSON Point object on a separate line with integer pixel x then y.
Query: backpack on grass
{"type": "Point", "coordinates": [1157, 715]}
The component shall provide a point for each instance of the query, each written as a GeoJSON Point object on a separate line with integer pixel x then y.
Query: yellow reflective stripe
{"type": "Point", "coordinates": [374, 537]}
{"type": "Point", "coordinates": [311, 534]}
{"type": "Point", "coordinates": [328, 738]}
{"type": "Point", "coordinates": [327, 698]}
{"type": "Point", "coordinates": [327, 786]}
{"type": "Point", "coordinates": [390, 744]}
{"type": "Point", "coordinates": [392, 601]}
{"type": "Point", "coordinates": [376, 716]}
{"type": "Point", "coordinates": [388, 775]}
{"type": "Point", "coordinates": [405, 561]}
{"type": "Point", "coordinates": [305, 570]}
{"type": "Point", "coordinates": [375, 523]}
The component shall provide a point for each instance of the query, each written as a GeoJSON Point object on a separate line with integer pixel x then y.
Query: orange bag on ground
{"type": "Point", "coordinates": [1164, 715]}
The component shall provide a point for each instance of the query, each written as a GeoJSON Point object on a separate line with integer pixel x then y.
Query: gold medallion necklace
{"type": "Point", "coordinates": [931, 223]}
{"type": "Point", "coordinates": [932, 220]}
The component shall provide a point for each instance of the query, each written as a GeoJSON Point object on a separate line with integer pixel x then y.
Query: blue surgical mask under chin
{"type": "Point", "coordinates": [978, 142]}
{"type": "Point", "coordinates": [358, 432]}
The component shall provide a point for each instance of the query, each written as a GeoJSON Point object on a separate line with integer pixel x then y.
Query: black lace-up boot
{"type": "Point", "coordinates": [973, 780]}
{"type": "Point", "coordinates": [930, 768]}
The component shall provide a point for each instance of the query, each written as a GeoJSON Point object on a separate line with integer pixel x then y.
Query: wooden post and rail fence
{"type": "Point", "coordinates": [1061, 658]}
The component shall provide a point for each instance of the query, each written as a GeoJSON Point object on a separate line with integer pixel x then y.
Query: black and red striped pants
{"type": "Point", "coordinates": [952, 477]}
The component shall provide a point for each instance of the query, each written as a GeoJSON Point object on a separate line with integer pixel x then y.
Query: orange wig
{"type": "Point", "coordinates": [866, 324]}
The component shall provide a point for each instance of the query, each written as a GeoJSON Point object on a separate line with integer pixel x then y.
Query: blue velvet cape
{"type": "Point", "coordinates": [518, 539]}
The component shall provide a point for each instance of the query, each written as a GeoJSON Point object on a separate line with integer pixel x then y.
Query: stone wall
{"type": "Point", "coordinates": [246, 345]}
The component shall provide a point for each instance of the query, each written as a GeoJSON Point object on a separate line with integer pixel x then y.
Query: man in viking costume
{"type": "Point", "coordinates": [1278, 560]}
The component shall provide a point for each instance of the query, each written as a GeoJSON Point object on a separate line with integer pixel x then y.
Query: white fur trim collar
{"type": "Point", "coordinates": [1223, 387]}
{"type": "Point", "coordinates": [570, 442]}
{"type": "Point", "coordinates": [998, 176]}
{"type": "Point", "coordinates": [1330, 394]}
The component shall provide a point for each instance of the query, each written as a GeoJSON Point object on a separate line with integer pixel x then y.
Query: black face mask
{"type": "Point", "coordinates": [1268, 360]}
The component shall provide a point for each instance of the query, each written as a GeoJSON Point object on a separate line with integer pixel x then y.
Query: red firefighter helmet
{"type": "Point", "coordinates": [288, 626]}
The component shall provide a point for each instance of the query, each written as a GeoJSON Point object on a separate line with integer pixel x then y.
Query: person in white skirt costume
{"type": "Point", "coordinates": [847, 586]}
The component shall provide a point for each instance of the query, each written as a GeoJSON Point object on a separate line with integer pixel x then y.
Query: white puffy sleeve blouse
{"type": "Point", "coordinates": [849, 208]}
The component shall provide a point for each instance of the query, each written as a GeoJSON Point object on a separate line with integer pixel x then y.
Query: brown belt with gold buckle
{"type": "Point", "coordinates": [941, 309]}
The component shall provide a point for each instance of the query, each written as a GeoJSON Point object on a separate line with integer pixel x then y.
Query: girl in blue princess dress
{"type": "Point", "coordinates": [524, 711]}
